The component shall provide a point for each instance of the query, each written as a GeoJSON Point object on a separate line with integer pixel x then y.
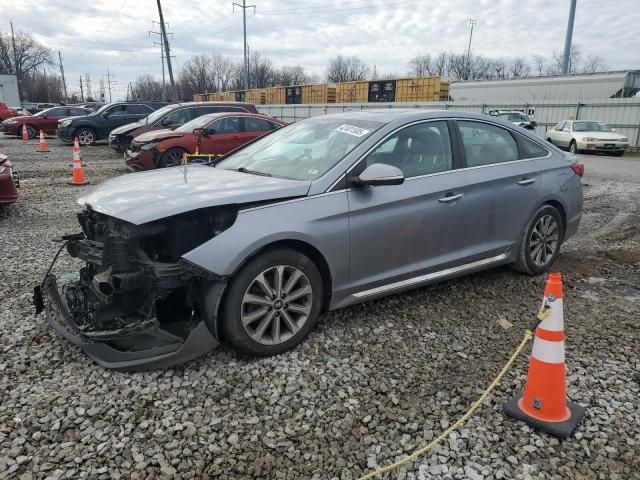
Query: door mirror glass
{"type": "Point", "coordinates": [379, 174]}
{"type": "Point", "coordinates": [200, 132]}
{"type": "Point", "coordinates": [533, 123]}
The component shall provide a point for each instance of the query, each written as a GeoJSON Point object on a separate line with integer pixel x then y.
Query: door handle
{"type": "Point", "coordinates": [450, 198]}
{"type": "Point", "coordinates": [526, 181]}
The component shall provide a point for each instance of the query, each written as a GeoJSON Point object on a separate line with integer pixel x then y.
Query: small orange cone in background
{"type": "Point", "coordinates": [42, 146]}
{"type": "Point", "coordinates": [77, 176]}
{"type": "Point", "coordinates": [543, 403]}
{"type": "Point", "coordinates": [25, 134]}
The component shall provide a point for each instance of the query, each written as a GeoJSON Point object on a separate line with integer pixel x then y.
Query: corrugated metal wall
{"type": "Point", "coordinates": [623, 114]}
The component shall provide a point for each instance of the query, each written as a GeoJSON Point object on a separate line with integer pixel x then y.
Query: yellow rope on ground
{"type": "Point", "coordinates": [418, 453]}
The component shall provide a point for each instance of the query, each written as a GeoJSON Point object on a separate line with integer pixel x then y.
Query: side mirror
{"type": "Point", "coordinates": [379, 174]}
{"type": "Point", "coordinates": [199, 132]}
{"type": "Point", "coordinates": [166, 121]}
{"type": "Point", "coordinates": [533, 123]}
{"type": "Point", "coordinates": [44, 115]}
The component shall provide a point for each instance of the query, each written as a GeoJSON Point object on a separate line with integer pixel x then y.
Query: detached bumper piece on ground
{"type": "Point", "coordinates": [134, 304]}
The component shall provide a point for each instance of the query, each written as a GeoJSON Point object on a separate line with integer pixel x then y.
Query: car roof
{"type": "Point", "coordinates": [388, 115]}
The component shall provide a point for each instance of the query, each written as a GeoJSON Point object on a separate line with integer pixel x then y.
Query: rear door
{"type": "Point", "coordinates": [136, 111]}
{"type": "Point", "coordinates": [401, 232]}
{"type": "Point", "coordinates": [255, 127]}
{"type": "Point", "coordinates": [503, 185]}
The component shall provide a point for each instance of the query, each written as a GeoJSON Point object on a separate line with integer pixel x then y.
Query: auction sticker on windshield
{"type": "Point", "coordinates": [351, 130]}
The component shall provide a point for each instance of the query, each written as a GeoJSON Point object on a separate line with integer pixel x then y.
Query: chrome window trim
{"type": "Point", "coordinates": [429, 276]}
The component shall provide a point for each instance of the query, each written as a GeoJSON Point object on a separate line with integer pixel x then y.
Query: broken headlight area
{"type": "Point", "coordinates": [134, 292]}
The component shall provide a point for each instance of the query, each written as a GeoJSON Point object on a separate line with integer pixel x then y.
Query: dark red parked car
{"type": "Point", "coordinates": [216, 133]}
{"type": "Point", "coordinates": [46, 120]}
{"type": "Point", "coordinates": [8, 182]}
{"type": "Point", "coordinates": [7, 112]}
{"type": "Point", "coordinates": [171, 117]}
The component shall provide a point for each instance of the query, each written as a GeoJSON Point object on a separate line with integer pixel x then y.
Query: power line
{"type": "Point", "coordinates": [325, 10]}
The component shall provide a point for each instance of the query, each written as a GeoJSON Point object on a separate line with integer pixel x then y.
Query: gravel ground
{"type": "Point", "coordinates": [372, 383]}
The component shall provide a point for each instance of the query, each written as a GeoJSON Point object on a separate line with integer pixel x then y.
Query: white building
{"type": "Point", "coordinates": [9, 90]}
{"type": "Point", "coordinates": [558, 87]}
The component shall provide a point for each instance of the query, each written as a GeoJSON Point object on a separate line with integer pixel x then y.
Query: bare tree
{"type": "Point", "coordinates": [539, 63]}
{"type": "Point", "coordinates": [261, 71]}
{"type": "Point", "coordinates": [518, 68]}
{"type": "Point", "coordinates": [592, 64]}
{"type": "Point", "coordinates": [147, 87]}
{"type": "Point", "coordinates": [347, 69]}
{"type": "Point", "coordinates": [291, 75]}
{"type": "Point", "coordinates": [421, 65]}
{"type": "Point", "coordinates": [29, 54]}
{"type": "Point", "coordinates": [575, 57]}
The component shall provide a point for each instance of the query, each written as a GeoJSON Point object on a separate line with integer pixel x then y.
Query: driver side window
{"type": "Point", "coordinates": [225, 125]}
{"type": "Point", "coordinates": [115, 111]}
{"type": "Point", "coordinates": [417, 150]}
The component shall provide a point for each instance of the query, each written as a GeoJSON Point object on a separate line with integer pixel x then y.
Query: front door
{"type": "Point", "coordinates": [223, 136]}
{"type": "Point", "coordinates": [402, 231]}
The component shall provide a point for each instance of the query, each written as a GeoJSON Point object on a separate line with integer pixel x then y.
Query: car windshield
{"type": "Point", "coordinates": [590, 127]}
{"type": "Point", "coordinates": [513, 117]}
{"type": "Point", "coordinates": [100, 110]}
{"type": "Point", "coordinates": [155, 116]}
{"type": "Point", "coordinates": [199, 122]}
{"type": "Point", "coordinates": [43, 112]}
{"type": "Point", "coordinates": [302, 151]}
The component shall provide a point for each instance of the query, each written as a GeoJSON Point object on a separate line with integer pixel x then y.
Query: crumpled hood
{"type": "Point", "coordinates": [129, 127]}
{"type": "Point", "coordinates": [613, 136]}
{"type": "Point", "coordinates": [146, 196]}
{"type": "Point", "coordinates": [157, 135]}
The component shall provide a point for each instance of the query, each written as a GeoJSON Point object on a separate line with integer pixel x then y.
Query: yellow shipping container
{"type": "Point", "coordinates": [421, 89]}
{"type": "Point", "coordinates": [228, 96]}
{"type": "Point", "coordinates": [352, 92]}
{"type": "Point", "coordinates": [256, 96]}
{"type": "Point", "coordinates": [320, 93]}
{"type": "Point", "coordinates": [199, 97]}
{"type": "Point", "coordinates": [274, 96]}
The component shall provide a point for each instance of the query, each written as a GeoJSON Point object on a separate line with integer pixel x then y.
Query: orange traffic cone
{"type": "Point", "coordinates": [77, 177]}
{"type": "Point", "coordinates": [543, 403]}
{"type": "Point", "coordinates": [42, 146]}
{"type": "Point", "coordinates": [25, 134]}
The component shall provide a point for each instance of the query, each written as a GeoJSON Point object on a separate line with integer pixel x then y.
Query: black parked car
{"type": "Point", "coordinates": [172, 116]}
{"type": "Point", "coordinates": [97, 125]}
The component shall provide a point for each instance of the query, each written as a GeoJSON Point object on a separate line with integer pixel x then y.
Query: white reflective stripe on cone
{"type": "Point", "coordinates": [549, 352]}
{"type": "Point", "coordinates": [555, 321]}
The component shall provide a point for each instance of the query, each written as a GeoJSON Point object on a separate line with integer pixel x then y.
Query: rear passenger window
{"type": "Point", "coordinates": [135, 109]}
{"type": "Point", "coordinates": [485, 144]}
{"type": "Point", "coordinates": [529, 149]}
{"type": "Point", "coordinates": [416, 150]}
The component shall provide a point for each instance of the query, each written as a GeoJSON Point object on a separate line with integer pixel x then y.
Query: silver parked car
{"type": "Point", "coordinates": [318, 215]}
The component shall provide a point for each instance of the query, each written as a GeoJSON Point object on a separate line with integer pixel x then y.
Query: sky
{"type": "Point", "coordinates": [112, 36]}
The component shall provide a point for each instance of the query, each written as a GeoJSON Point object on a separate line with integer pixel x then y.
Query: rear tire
{"type": "Point", "coordinates": [573, 147]}
{"type": "Point", "coordinates": [260, 323]}
{"type": "Point", "coordinates": [540, 244]}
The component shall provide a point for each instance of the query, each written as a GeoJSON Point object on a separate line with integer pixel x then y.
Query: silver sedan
{"type": "Point", "coordinates": [318, 215]}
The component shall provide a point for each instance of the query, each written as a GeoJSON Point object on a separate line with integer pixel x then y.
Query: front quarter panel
{"type": "Point", "coordinates": [321, 221]}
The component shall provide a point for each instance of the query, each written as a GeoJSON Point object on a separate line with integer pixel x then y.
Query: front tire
{"type": "Point", "coordinates": [272, 303]}
{"type": "Point", "coordinates": [86, 136]}
{"type": "Point", "coordinates": [540, 245]}
{"type": "Point", "coordinates": [32, 132]}
{"type": "Point", "coordinates": [171, 157]}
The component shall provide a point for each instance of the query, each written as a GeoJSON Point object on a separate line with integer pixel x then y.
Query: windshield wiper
{"type": "Point", "coordinates": [252, 172]}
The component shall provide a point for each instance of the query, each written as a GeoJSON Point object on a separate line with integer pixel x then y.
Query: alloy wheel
{"type": "Point", "coordinates": [85, 137]}
{"type": "Point", "coordinates": [543, 241]}
{"type": "Point", "coordinates": [573, 148]}
{"type": "Point", "coordinates": [276, 305]}
{"type": "Point", "coordinates": [32, 132]}
{"type": "Point", "coordinates": [174, 158]}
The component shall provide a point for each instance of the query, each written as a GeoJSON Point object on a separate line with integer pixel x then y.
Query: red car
{"type": "Point", "coordinates": [8, 182]}
{"type": "Point", "coordinates": [7, 112]}
{"type": "Point", "coordinates": [216, 133]}
{"type": "Point", "coordinates": [46, 120]}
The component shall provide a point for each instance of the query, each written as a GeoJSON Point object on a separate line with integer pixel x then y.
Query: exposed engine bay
{"type": "Point", "coordinates": [135, 292]}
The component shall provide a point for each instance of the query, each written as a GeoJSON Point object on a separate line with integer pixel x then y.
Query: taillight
{"type": "Point", "coordinates": [578, 168]}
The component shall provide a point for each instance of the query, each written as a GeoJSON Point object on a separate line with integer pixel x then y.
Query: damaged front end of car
{"type": "Point", "coordinates": [136, 303]}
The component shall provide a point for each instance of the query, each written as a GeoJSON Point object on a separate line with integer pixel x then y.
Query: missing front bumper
{"type": "Point", "coordinates": [151, 347]}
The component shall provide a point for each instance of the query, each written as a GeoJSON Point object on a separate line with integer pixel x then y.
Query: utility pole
{"type": "Point", "coordinates": [87, 80]}
{"type": "Point", "coordinates": [64, 82]}
{"type": "Point", "coordinates": [167, 54]}
{"type": "Point", "coordinates": [109, 83]}
{"type": "Point", "coordinates": [567, 40]}
{"type": "Point", "coordinates": [15, 60]}
{"type": "Point", "coordinates": [161, 43]}
{"type": "Point", "coordinates": [81, 90]}
{"type": "Point", "coordinates": [244, 7]}
{"type": "Point", "coordinates": [101, 84]}
{"type": "Point", "coordinates": [472, 23]}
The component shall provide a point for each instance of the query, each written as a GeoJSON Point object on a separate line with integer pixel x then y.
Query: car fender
{"type": "Point", "coordinates": [320, 221]}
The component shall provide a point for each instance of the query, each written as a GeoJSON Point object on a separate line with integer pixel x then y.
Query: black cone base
{"type": "Point", "coordinates": [557, 429]}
